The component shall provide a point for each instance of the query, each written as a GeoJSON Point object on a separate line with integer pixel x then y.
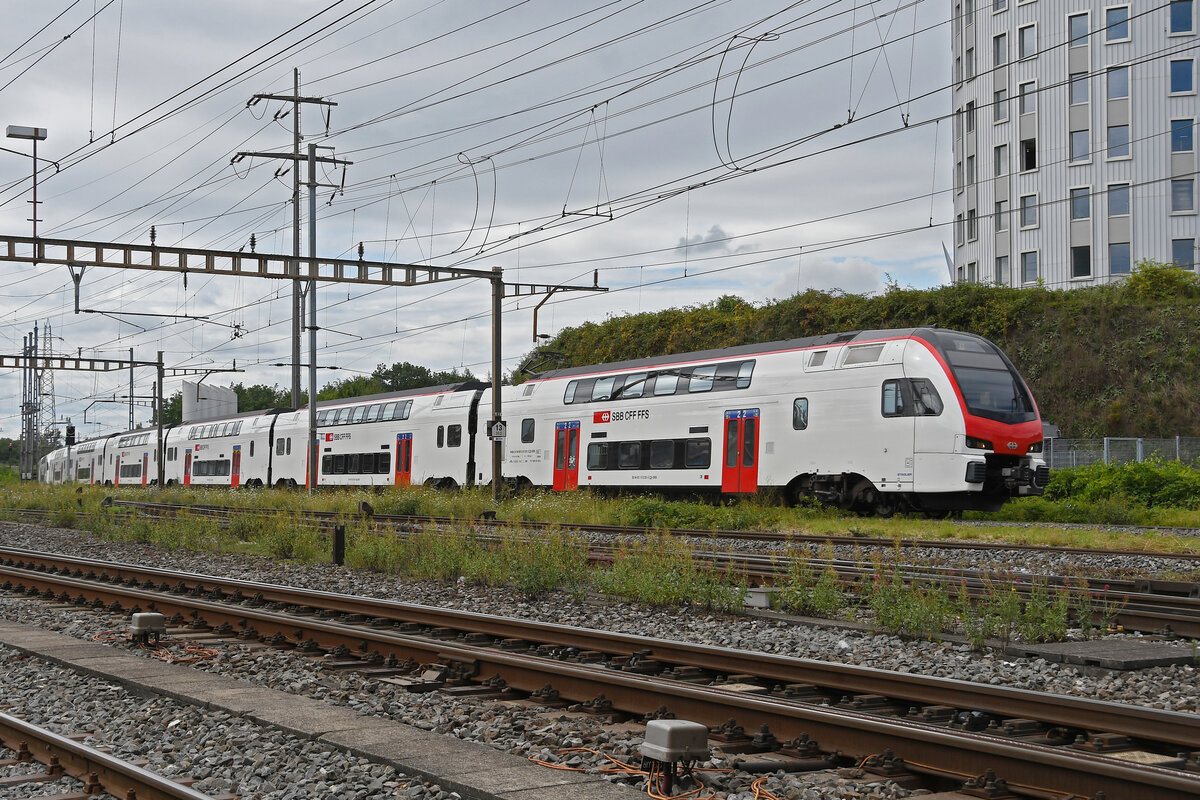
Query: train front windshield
{"type": "Point", "coordinates": [989, 383]}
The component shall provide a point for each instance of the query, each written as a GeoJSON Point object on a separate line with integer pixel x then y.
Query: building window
{"type": "Point", "coordinates": [1001, 215]}
{"type": "Point", "coordinates": [1029, 267]}
{"type": "Point", "coordinates": [1118, 141]}
{"type": "Point", "coordinates": [960, 230]}
{"type": "Point", "coordinates": [1183, 252]}
{"type": "Point", "coordinates": [1000, 109]}
{"type": "Point", "coordinates": [970, 8]}
{"type": "Point", "coordinates": [1081, 262]}
{"type": "Point", "coordinates": [969, 63]}
{"type": "Point", "coordinates": [1118, 83]}
{"type": "Point", "coordinates": [1001, 269]}
{"type": "Point", "coordinates": [1029, 211]}
{"type": "Point", "coordinates": [1116, 24]}
{"type": "Point", "coordinates": [1080, 146]}
{"type": "Point", "coordinates": [1181, 77]}
{"type": "Point", "coordinates": [1000, 49]}
{"type": "Point", "coordinates": [1027, 93]}
{"type": "Point", "coordinates": [1077, 30]}
{"type": "Point", "coordinates": [1079, 88]}
{"type": "Point", "coordinates": [969, 115]}
{"type": "Point", "coordinates": [999, 5]}
{"type": "Point", "coordinates": [1181, 16]}
{"type": "Point", "coordinates": [1000, 159]}
{"type": "Point", "coordinates": [1029, 154]}
{"type": "Point", "coordinates": [1027, 41]}
{"type": "Point", "coordinates": [1181, 135]}
{"type": "Point", "coordinates": [1183, 196]}
{"type": "Point", "coordinates": [1081, 203]}
{"type": "Point", "coordinates": [1118, 258]}
{"type": "Point", "coordinates": [972, 225]}
{"type": "Point", "coordinates": [970, 170]}
{"type": "Point", "coordinates": [1118, 200]}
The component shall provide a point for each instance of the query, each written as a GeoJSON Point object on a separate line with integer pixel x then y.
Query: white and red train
{"type": "Point", "coordinates": [922, 419]}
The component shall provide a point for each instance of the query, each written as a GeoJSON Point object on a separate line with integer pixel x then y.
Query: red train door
{"type": "Point", "coordinates": [566, 456]}
{"type": "Point", "coordinates": [235, 469]}
{"type": "Point", "coordinates": [187, 467]}
{"type": "Point", "coordinates": [117, 473]}
{"type": "Point", "coordinates": [740, 474]}
{"type": "Point", "coordinates": [403, 459]}
{"type": "Point", "coordinates": [145, 468]}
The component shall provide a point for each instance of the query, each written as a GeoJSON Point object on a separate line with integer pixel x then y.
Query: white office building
{"type": "Point", "coordinates": [1074, 143]}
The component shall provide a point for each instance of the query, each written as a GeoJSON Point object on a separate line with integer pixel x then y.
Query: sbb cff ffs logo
{"type": "Point", "coordinates": [601, 416]}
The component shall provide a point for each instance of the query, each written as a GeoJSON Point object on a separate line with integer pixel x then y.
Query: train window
{"type": "Point", "coordinates": [662, 454]}
{"type": "Point", "coordinates": [374, 412]}
{"type": "Point", "coordinates": [635, 385]}
{"type": "Point", "coordinates": [289, 445]}
{"type": "Point", "coordinates": [441, 436]}
{"type": "Point", "coordinates": [597, 455]}
{"type": "Point", "coordinates": [665, 382]}
{"type": "Point", "coordinates": [800, 413]}
{"type": "Point", "coordinates": [864, 354]}
{"type": "Point", "coordinates": [454, 436]}
{"type": "Point", "coordinates": [341, 416]}
{"type": "Point", "coordinates": [407, 409]}
{"type": "Point", "coordinates": [893, 399]}
{"type": "Point", "coordinates": [926, 400]}
{"type": "Point", "coordinates": [327, 463]}
{"type": "Point", "coordinates": [745, 370]}
{"type": "Point", "coordinates": [279, 445]}
{"type": "Point", "coordinates": [322, 417]}
{"type": "Point", "coordinates": [701, 379]}
{"type": "Point", "coordinates": [389, 411]}
{"type": "Point", "coordinates": [354, 461]}
{"type": "Point", "coordinates": [527, 428]}
{"type": "Point", "coordinates": [697, 453]}
{"type": "Point", "coordinates": [731, 441]}
{"type": "Point", "coordinates": [602, 389]}
{"type": "Point", "coordinates": [629, 455]}
{"type": "Point", "coordinates": [749, 441]}
{"type": "Point", "coordinates": [528, 390]}
{"type": "Point", "coordinates": [251, 448]}
{"type": "Point", "coordinates": [339, 464]}
{"type": "Point", "coordinates": [360, 414]}
{"type": "Point", "coordinates": [383, 463]}
{"type": "Point", "coordinates": [569, 394]}
{"type": "Point", "coordinates": [192, 432]}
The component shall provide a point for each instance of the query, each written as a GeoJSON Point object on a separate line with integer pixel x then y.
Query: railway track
{"type": "Point", "coordinates": [818, 713]}
{"type": "Point", "coordinates": [95, 769]}
{"type": "Point", "coordinates": [1168, 607]}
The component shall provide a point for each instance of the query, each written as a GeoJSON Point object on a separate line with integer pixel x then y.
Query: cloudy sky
{"type": "Point", "coordinates": [679, 150]}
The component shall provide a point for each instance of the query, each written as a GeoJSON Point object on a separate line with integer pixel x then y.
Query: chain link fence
{"type": "Point", "coordinates": [1063, 453]}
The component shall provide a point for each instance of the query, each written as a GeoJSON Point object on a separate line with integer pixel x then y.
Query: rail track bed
{"type": "Point", "coordinates": [903, 727]}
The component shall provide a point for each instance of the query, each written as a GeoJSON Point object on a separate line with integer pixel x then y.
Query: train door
{"type": "Point", "coordinates": [740, 473]}
{"type": "Point", "coordinates": [235, 469]}
{"type": "Point", "coordinates": [117, 472]}
{"type": "Point", "coordinates": [403, 459]}
{"type": "Point", "coordinates": [92, 473]}
{"type": "Point", "coordinates": [566, 456]}
{"type": "Point", "coordinates": [187, 467]}
{"type": "Point", "coordinates": [145, 468]}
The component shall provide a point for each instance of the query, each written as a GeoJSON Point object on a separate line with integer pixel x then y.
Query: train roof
{"type": "Point", "coordinates": [464, 386]}
{"type": "Point", "coordinates": [807, 342]}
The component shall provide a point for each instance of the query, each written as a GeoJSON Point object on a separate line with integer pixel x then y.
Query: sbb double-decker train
{"type": "Point", "coordinates": [920, 419]}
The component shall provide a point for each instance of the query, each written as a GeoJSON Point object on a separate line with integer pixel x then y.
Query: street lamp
{"type": "Point", "coordinates": [36, 135]}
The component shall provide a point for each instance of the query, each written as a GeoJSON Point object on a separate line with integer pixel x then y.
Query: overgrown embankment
{"type": "Point", "coordinates": [1116, 360]}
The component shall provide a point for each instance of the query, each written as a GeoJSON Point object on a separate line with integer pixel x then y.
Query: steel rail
{"type": "Point", "coordinates": [80, 761]}
{"type": "Point", "coordinates": [1175, 728]}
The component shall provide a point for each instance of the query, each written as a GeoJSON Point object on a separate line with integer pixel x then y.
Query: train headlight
{"type": "Point", "coordinates": [1035, 447]}
{"type": "Point", "coordinates": [978, 444]}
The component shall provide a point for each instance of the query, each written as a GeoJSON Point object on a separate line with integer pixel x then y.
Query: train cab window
{"type": "Point", "coordinates": [745, 371]}
{"type": "Point", "coordinates": [353, 463]}
{"type": "Point", "coordinates": [527, 428]}
{"type": "Point", "coordinates": [800, 413]}
{"type": "Point", "coordinates": [662, 454]}
{"type": "Point", "coordinates": [454, 436]}
{"type": "Point", "coordinates": [629, 455]}
{"type": "Point", "coordinates": [569, 394]}
{"type": "Point", "coordinates": [279, 445]}
{"type": "Point", "coordinates": [441, 436]}
{"type": "Point", "coordinates": [360, 414]}
{"type": "Point", "coordinates": [602, 389]}
{"type": "Point", "coordinates": [383, 463]}
{"type": "Point", "coordinates": [893, 399]}
{"type": "Point", "coordinates": [339, 464]}
{"type": "Point", "coordinates": [597, 456]}
{"type": "Point", "coordinates": [327, 463]}
{"type": "Point", "coordinates": [665, 382]}
{"type": "Point", "coordinates": [635, 386]}
{"type": "Point", "coordinates": [697, 453]}
{"type": "Point", "coordinates": [926, 400]}
{"type": "Point", "coordinates": [701, 379]}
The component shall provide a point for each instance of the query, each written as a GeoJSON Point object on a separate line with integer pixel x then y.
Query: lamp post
{"type": "Point", "coordinates": [36, 135]}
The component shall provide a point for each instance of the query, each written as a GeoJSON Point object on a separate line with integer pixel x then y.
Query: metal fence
{"type": "Point", "coordinates": [1062, 453]}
